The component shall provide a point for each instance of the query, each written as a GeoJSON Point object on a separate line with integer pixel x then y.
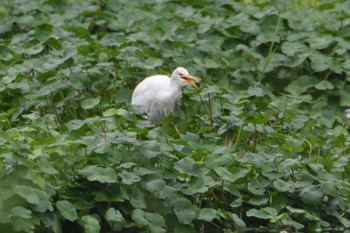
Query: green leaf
{"type": "Point", "coordinates": [257, 91]}
{"type": "Point", "coordinates": [138, 198]}
{"type": "Point", "coordinates": [211, 63]}
{"type": "Point", "coordinates": [311, 195]}
{"type": "Point", "coordinates": [43, 32]}
{"type": "Point", "coordinates": [111, 112]}
{"type": "Point", "coordinates": [264, 213]}
{"type": "Point", "coordinates": [27, 193]}
{"type": "Point", "coordinates": [283, 186]}
{"type": "Point", "coordinates": [324, 85]}
{"type": "Point", "coordinates": [257, 201]}
{"type": "Point", "coordinates": [320, 42]}
{"type": "Point", "coordinates": [22, 212]}
{"type": "Point", "coordinates": [154, 221]}
{"type": "Point", "coordinates": [90, 224]}
{"type": "Point", "coordinates": [344, 98]}
{"type": "Point", "coordinates": [301, 85]}
{"type": "Point", "coordinates": [161, 190]}
{"type": "Point", "coordinates": [184, 210]}
{"type": "Point", "coordinates": [5, 53]}
{"type": "Point", "coordinates": [129, 178]}
{"type": "Point", "coordinates": [293, 48]}
{"type": "Point", "coordinates": [237, 220]}
{"type": "Point", "coordinates": [114, 215]}
{"type": "Point", "coordinates": [100, 174]}
{"type": "Point", "coordinates": [79, 31]}
{"type": "Point", "coordinates": [53, 43]}
{"type": "Point", "coordinates": [75, 124]}
{"type": "Point", "coordinates": [188, 166]}
{"type": "Point", "coordinates": [67, 210]}
{"type": "Point", "coordinates": [39, 198]}
{"type": "Point", "coordinates": [295, 210]}
{"type": "Point", "coordinates": [153, 62]}
{"type": "Point", "coordinates": [207, 214]}
{"type": "Point", "coordinates": [227, 175]}
{"type": "Point", "coordinates": [79, 81]}
{"type": "Point", "coordinates": [90, 103]}
{"type": "Point", "coordinates": [138, 216]}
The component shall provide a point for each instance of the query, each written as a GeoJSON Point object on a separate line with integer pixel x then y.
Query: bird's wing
{"type": "Point", "coordinates": [150, 89]}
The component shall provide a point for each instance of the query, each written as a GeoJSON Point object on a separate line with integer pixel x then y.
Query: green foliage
{"type": "Point", "coordinates": [261, 143]}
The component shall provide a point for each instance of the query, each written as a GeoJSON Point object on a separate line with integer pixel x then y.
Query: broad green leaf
{"type": "Point", "coordinates": [188, 166]}
{"type": "Point", "coordinates": [257, 91]}
{"type": "Point", "coordinates": [5, 53]}
{"type": "Point", "coordinates": [311, 195]}
{"type": "Point", "coordinates": [129, 178]}
{"type": "Point", "coordinates": [43, 32]}
{"type": "Point", "coordinates": [155, 185]}
{"type": "Point", "coordinates": [295, 210]}
{"type": "Point", "coordinates": [293, 48]}
{"type": "Point", "coordinates": [43, 141]}
{"type": "Point", "coordinates": [67, 209]}
{"type": "Point", "coordinates": [79, 81]}
{"type": "Point", "coordinates": [90, 224]}
{"type": "Point", "coordinates": [100, 174]}
{"type": "Point", "coordinates": [39, 198]}
{"type": "Point", "coordinates": [258, 185]}
{"type": "Point", "coordinates": [257, 201]}
{"type": "Point", "coordinates": [110, 112]}
{"type": "Point", "coordinates": [283, 186]}
{"type": "Point", "coordinates": [227, 175]}
{"type": "Point", "coordinates": [320, 61]}
{"type": "Point", "coordinates": [207, 214]}
{"type": "Point", "coordinates": [161, 190]}
{"type": "Point", "coordinates": [344, 98]}
{"type": "Point", "coordinates": [153, 62]}
{"type": "Point", "coordinates": [155, 218]}
{"type": "Point", "coordinates": [138, 216]}
{"type": "Point", "coordinates": [79, 31]}
{"type": "Point", "coordinates": [198, 185]}
{"type": "Point", "coordinates": [154, 221]}
{"type": "Point", "coordinates": [184, 210]}
{"type": "Point", "coordinates": [22, 212]}
{"type": "Point", "coordinates": [324, 85]}
{"type": "Point", "coordinates": [320, 42]}
{"type": "Point", "coordinates": [25, 224]}
{"type": "Point", "coordinates": [237, 220]}
{"type": "Point", "coordinates": [75, 124]}
{"type": "Point", "coordinates": [211, 63]}
{"type": "Point", "coordinates": [114, 215]}
{"type": "Point", "coordinates": [137, 198]}
{"type": "Point", "coordinates": [301, 85]}
{"type": "Point", "coordinates": [27, 193]}
{"type": "Point", "coordinates": [264, 213]}
{"type": "Point", "coordinates": [53, 43]}
{"type": "Point", "coordinates": [90, 103]}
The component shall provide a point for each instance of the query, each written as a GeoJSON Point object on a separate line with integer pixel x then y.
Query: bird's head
{"type": "Point", "coordinates": [181, 75]}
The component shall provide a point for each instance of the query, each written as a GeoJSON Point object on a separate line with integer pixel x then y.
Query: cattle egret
{"type": "Point", "coordinates": [347, 113]}
{"type": "Point", "coordinates": [157, 95]}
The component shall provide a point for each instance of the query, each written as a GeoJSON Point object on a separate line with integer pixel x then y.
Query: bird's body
{"type": "Point", "coordinates": [157, 95]}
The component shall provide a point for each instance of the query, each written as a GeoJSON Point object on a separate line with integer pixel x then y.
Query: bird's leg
{"type": "Point", "coordinates": [177, 131]}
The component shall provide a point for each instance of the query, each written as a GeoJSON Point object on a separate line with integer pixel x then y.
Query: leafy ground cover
{"type": "Point", "coordinates": [262, 143]}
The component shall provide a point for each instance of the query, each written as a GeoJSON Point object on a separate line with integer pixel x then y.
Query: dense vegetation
{"type": "Point", "coordinates": [262, 143]}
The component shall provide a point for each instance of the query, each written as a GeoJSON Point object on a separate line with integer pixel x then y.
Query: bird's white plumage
{"type": "Point", "coordinates": [157, 95]}
{"type": "Point", "coordinates": [347, 113]}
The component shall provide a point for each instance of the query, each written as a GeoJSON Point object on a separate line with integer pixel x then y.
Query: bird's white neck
{"type": "Point", "coordinates": [175, 89]}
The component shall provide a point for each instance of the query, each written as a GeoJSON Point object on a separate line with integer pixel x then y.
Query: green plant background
{"type": "Point", "coordinates": [263, 142]}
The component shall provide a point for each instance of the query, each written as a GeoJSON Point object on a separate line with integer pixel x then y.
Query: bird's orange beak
{"type": "Point", "coordinates": [190, 80]}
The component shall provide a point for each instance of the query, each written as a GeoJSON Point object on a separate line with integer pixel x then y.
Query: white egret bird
{"type": "Point", "coordinates": [347, 113]}
{"type": "Point", "coordinates": [157, 95]}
